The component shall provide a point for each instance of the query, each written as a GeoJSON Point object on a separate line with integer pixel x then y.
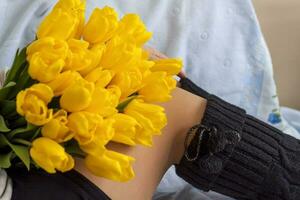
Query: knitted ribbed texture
{"type": "Point", "coordinates": [188, 85]}
{"type": "Point", "coordinates": [264, 165]}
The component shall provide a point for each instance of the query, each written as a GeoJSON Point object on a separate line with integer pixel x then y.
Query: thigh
{"type": "Point", "coordinates": [183, 111]}
{"type": "Point", "coordinates": [149, 166]}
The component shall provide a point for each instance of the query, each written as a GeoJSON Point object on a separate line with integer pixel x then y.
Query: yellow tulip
{"type": "Point", "coordinates": [70, 5]}
{"type": "Point", "coordinates": [144, 66]}
{"type": "Point", "coordinates": [144, 63]}
{"type": "Point", "coordinates": [170, 65]}
{"type": "Point", "coordinates": [132, 25]}
{"type": "Point", "coordinates": [56, 129]}
{"type": "Point", "coordinates": [111, 165]}
{"type": "Point", "coordinates": [115, 93]}
{"type": "Point", "coordinates": [129, 82]}
{"type": "Point", "coordinates": [40, 70]}
{"type": "Point", "coordinates": [136, 78]}
{"type": "Point", "coordinates": [119, 55]}
{"type": "Point", "coordinates": [150, 117]}
{"type": "Point", "coordinates": [101, 26]}
{"type": "Point", "coordinates": [46, 58]}
{"type": "Point", "coordinates": [123, 81]}
{"type": "Point", "coordinates": [81, 58]}
{"type": "Point", "coordinates": [64, 81]}
{"type": "Point", "coordinates": [104, 101]}
{"type": "Point", "coordinates": [157, 87]}
{"type": "Point", "coordinates": [100, 77]}
{"type": "Point", "coordinates": [103, 134]}
{"type": "Point", "coordinates": [59, 24]}
{"type": "Point", "coordinates": [77, 8]}
{"type": "Point", "coordinates": [50, 156]}
{"type": "Point", "coordinates": [78, 96]}
{"type": "Point", "coordinates": [42, 91]}
{"type": "Point", "coordinates": [125, 129]}
{"type": "Point", "coordinates": [77, 58]}
{"type": "Point", "coordinates": [65, 21]}
{"type": "Point", "coordinates": [32, 104]}
{"type": "Point", "coordinates": [95, 54]}
{"type": "Point", "coordinates": [49, 47]}
{"type": "Point", "coordinates": [83, 125]}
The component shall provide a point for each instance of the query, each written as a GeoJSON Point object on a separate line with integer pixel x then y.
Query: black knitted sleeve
{"type": "Point", "coordinates": [263, 164]}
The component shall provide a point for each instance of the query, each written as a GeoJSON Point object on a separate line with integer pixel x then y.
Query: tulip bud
{"type": "Point", "coordinates": [111, 165]}
{"type": "Point", "coordinates": [101, 26]}
{"type": "Point", "coordinates": [50, 156]}
{"type": "Point", "coordinates": [32, 104]}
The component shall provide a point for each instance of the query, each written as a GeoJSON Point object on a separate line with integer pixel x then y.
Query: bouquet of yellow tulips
{"type": "Point", "coordinates": [80, 85]}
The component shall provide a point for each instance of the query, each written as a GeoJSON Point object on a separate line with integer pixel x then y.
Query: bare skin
{"type": "Point", "coordinates": [183, 111]}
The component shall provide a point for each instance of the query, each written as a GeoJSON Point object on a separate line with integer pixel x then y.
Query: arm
{"type": "Point", "coordinates": [263, 164]}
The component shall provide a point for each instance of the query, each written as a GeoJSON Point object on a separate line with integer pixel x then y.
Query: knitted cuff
{"type": "Point", "coordinates": [237, 152]}
{"type": "Point", "coordinates": [188, 85]}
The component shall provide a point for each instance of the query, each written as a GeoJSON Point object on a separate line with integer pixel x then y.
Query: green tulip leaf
{"type": "Point", "coordinates": [36, 133]}
{"type": "Point", "coordinates": [17, 67]}
{"type": "Point", "coordinates": [73, 148]}
{"type": "Point", "coordinates": [15, 123]}
{"type": "Point", "coordinates": [23, 153]}
{"type": "Point", "coordinates": [23, 130]}
{"type": "Point", "coordinates": [20, 150]}
{"type": "Point", "coordinates": [7, 107]}
{"type": "Point", "coordinates": [4, 91]}
{"type": "Point", "coordinates": [8, 85]}
{"type": "Point", "coordinates": [2, 141]}
{"type": "Point", "coordinates": [124, 104]}
{"type": "Point", "coordinates": [3, 127]}
{"type": "Point", "coordinates": [5, 160]}
{"type": "Point", "coordinates": [24, 81]}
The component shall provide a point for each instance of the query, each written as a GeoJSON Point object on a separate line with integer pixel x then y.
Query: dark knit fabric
{"type": "Point", "coordinates": [263, 165]}
{"type": "Point", "coordinates": [37, 185]}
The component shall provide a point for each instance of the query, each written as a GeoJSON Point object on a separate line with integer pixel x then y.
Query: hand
{"type": "Point", "coordinates": [156, 55]}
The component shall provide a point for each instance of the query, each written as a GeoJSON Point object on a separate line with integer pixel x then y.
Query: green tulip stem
{"type": "Point", "coordinates": [22, 141]}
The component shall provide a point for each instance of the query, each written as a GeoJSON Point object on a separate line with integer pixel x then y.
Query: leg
{"type": "Point", "coordinates": [183, 111]}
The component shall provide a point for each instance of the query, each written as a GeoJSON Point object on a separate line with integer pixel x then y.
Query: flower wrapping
{"type": "Point", "coordinates": [80, 85]}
